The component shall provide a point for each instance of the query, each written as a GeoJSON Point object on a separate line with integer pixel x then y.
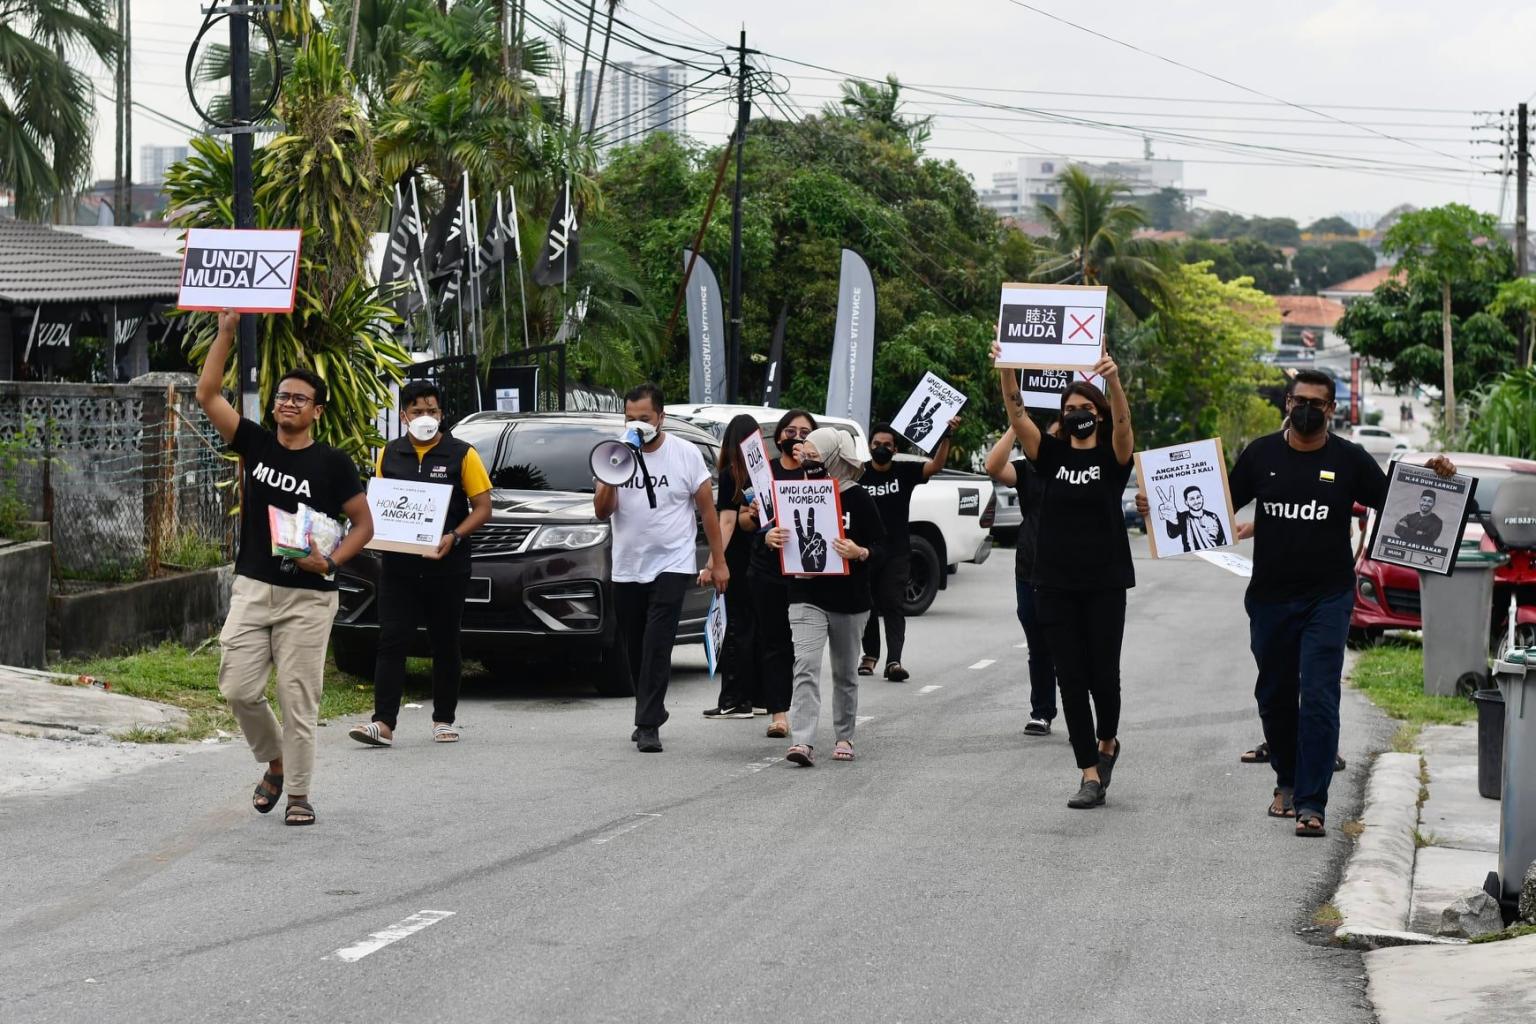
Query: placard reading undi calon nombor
{"type": "Point", "coordinates": [246, 270]}
{"type": "Point", "coordinates": [927, 412]}
{"type": "Point", "coordinates": [1051, 326]}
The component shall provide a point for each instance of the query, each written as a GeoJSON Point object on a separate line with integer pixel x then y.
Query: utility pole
{"type": "Point", "coordinates": [117, 166]}
{"type": "Point", "coordinates": [245, 205]}
{"type": "Point", "coordinates": [128, 112]}
{"type": "Point", "coordinates": [1522, 160]}
{"type": "Point", "coordinates": [733, 328]}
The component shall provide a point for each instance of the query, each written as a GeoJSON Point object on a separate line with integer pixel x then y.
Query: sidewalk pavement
{"type": "Point", "coordinates": [1394, 890]}
{"type": "Point", "coordinates": [33, 705]}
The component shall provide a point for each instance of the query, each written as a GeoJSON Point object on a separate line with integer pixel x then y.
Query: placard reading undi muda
{"type": "Point", "coordinates": [246, 270]}
{"type": "Point", "coordinates": [1051, 326]}
{"type": "Point", "coordinates": [927, 412]}
{"type": "Point", "coordinates": [1423, 518]}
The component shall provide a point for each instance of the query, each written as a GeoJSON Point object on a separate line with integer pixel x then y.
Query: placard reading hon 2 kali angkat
{"type": "Point", "coordinates": [408, 517]}
{"type": "Point", "coordinates": [247, 270]}
{"type": "Point", "coordinates": [1051, 326]}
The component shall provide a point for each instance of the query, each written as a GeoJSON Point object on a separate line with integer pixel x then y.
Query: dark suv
{"type": "Point", "coordinates": [541, 568]}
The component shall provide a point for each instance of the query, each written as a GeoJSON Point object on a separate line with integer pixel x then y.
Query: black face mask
{"type": "Point", "coordinates": [813, 469]}
{"type": "Point", "coordinates": [881, 455]}
{"type": "Point", "coordinates": [1307, 420]}
{"type": "Point", "coordinates": [1080, 423]}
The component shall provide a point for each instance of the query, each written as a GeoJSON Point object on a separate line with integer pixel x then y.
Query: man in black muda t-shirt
{"type": "Point", "coordinates": [1304, 483]}
{"type": "Point", "coordinates": [280, 608]}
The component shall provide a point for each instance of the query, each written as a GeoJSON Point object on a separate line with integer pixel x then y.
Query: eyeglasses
{"type": "Point", "coordinates": [298, 401]}
{"type": "Point", "coordinates": [1320, 404]}
{"type": "Point", "coordinates": [801, 433]}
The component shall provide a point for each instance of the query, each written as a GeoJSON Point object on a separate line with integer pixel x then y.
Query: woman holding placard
{"type": "Point", "coordinates": [1083, 559]}
{"type": "Point", "coordinates": [830, 610]}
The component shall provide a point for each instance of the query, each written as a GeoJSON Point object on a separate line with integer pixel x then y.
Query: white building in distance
{"type": "Point", "coordinates": [637, 100]}
{"type": "Point", "coordinates": [1018, 192]}
{"type": "Point", "coordinates": [155, 161]}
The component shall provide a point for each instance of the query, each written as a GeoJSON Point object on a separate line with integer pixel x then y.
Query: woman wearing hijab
{"type": "Point", "coordinates": [1082, 559]}
{"type": "Point", "coordinates": [831, 610]}
{"type": "Point", "coordinates": [775, 644]}
{"type": "Point", "coordinates": [738, 663]}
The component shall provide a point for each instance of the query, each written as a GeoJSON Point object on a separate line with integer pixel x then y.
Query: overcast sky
{"type": "Point", "coordinates": [1436, 65]}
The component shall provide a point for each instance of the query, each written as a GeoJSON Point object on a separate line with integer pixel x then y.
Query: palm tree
{"type": "Point", "coordinates": [47, 106]}
{"type": "Point", "coordinates": [880, 107]}
{"type": "Point", "coordinates": [1093, 242]}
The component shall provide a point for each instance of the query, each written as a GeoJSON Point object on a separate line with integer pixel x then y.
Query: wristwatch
{"type": "Point", "coordinates": [330, 566]}
{"type": "Point", "coordinates": [458, 538]}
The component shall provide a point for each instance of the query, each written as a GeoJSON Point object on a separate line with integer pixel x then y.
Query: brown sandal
{"type": "Point", "coordinates": [1310, 826]}
{"type": "Point", "coordinates": [1281, 806]}
{"type": "Point", "coordinates": [777, 731]}
{"type": "Point", "coordinates": [843, 751]}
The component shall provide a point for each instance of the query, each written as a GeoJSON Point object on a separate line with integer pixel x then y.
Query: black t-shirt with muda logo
{"type": "Point", "coordinates": [891, 490]}
{"type": "Point", "coordinates": [319, 476]}
{"type": "Point", "coordinates": [1081, 543]}
{"type": "Point", "coordinates": [1303, 507]}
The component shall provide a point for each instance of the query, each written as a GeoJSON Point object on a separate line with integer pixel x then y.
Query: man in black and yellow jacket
{"type": "Point", "coordinates": [426, 590]}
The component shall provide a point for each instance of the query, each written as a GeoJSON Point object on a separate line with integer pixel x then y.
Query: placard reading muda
{"type": "Point", "coordinates": [759, 477]}
{"type": "Point", "coordinates": [1042, 389]}
{"type": "Point", "coordinates": [927, 412]}
{"type": "Point", "coordinates": [408, 516]}
{"type": "Point", "coordinates": [1423, 518]}
{"type": "Point", "coordinates": [813, 513]}
{"type": "Point", "coordinates": [1190, 501]}
{"type": "Point", "coordinates": [246, 270]}
{"type": "Point", "coordinates": [1051, 326]}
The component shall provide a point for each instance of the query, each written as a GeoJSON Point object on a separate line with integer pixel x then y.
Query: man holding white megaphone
{"type": "Point", "coordinates": [652, 486]}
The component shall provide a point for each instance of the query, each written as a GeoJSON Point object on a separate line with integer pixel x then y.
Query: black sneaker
{"type": "Point", "coordinates": [719, 714]}
{"type": "Point", "coordinates": [1107, 764]}
{"type": "Point", "coordinates": [1038, 727]}
{"type": "Point", "coordinates": [634, 737]}
{"type": "Point", "coordinates": [1090, 794]}
{"type": "Point", "coordinates": [648, 742]}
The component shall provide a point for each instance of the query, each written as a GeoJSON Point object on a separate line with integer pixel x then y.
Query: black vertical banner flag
{"type": "Point", "coordinates": [445, 244]}
{"type": "Point", "coordinates": [562, 245]}
{"type": "Point", "coordinates": [773, 380]}
{"type": "Point", "coordinates": [403, 257]}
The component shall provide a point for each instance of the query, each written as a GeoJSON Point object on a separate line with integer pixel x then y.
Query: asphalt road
{"type": "Point", "coordinates": [940, 877]}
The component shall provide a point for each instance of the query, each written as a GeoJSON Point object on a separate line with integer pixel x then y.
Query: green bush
{"type": "Point", "coordinates": [1504, 422]}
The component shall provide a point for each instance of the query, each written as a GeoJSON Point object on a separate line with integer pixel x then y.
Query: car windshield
{"type": "Point", "coordinates": [541, 456]}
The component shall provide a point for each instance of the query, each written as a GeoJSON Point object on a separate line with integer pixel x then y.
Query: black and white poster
{"type": "Point", "coordinates": [927, 412]}
{"type": "Point", "coordinates": [1191, 504]}
{"type": "Point", "coordinates": [812, 512]}
{"type": "Point", "coordinates": [759, 476]}
{"type": "Point", "coordinates": [1051, 326]}
{"type": "Point", "coordinates": [714, 633]}
{"type": "Point", "coordinates": [1042, 389]}
{"type": "Point", "coordinates": [248, 270]}
{"type": "Point", "coordinates": [1423, 518]}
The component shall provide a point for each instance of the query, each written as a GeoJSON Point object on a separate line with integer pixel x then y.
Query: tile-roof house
{"type": "Point", "coordinates": [1307, 321]}
{"type": "Point", "coordinates": [1359, 287]}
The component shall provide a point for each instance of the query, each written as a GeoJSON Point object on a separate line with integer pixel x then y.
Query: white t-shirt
{"type": "Point", "coordinates": [650, 541]}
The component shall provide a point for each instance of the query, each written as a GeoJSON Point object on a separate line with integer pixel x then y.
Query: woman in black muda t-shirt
{"type": "Point", "coordinates": [1083, 559]}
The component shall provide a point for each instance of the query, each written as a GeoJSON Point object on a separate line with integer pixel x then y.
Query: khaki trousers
{"type": "Point", "coordinates": [287, 627]}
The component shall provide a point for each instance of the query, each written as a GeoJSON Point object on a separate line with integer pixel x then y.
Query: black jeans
{"type": "Point", "coordinates": [1042, 670]}
{"type": "Point", "coordinates": [407, 602]}
{"type": "Point", "coordinates": [775, 643]}
{"type": "Point", "coordinates": [648, 615]}
{"type": "Point", "coordinates": [1086, 628]}
{"type": "Point", "coordinates": [1299, 648]}
{"type": "Point", "coordinates": [888, 587]}
{"type": "Point", "coordinates": [738, 661]}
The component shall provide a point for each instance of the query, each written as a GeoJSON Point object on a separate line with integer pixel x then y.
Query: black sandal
{"type": "Point", "coordinates": [1287, 808]}
{"type": "Point", "coordinates": [300, 812]}
{"type": "Point", "coordinates": [1258, 755]}
{"type": "Point", "coordinates": [1310, 826]}
{"type": "Point", "coordinates": [264, 791]}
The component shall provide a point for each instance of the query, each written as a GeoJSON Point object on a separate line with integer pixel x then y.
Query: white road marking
{"type": "Point", "coordinates": [614, 833]}
{"type": "Point", "coordinates": [930, 689]}
{"type": "Point", "coordinates": [861, 719]}
{"type": "Point", "coordinates": [753, 767]}
{"type": "Point", "coordinates": [984, 663]}
{"type": "Point", "coordinates": [1021, 647]}
{"type": "Point", "coordinates": [394, 933]}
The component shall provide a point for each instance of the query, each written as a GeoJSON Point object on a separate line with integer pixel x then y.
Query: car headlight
{"type": "Point", "coordinates": [570, 538]}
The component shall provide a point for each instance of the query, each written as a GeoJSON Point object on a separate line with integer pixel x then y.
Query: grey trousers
{"type": "Point", "coordinates": [813, 629]}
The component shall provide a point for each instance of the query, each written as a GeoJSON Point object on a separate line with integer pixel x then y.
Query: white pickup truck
{"type": "Point", "coordinates": [951, 517]}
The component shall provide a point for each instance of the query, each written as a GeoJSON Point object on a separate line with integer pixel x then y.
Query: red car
{"type": "Point", "coordinates": [1387, 596]}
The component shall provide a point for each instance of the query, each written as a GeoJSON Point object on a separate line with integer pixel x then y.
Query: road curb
{"type": "Point", "coordinates": [1376, 895]}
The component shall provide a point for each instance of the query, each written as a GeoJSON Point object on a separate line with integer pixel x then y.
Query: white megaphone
{"type": "Point", "coordinates": [613, 462]}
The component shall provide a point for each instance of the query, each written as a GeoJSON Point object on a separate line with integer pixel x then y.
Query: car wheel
{"type": "Point", "coordinates": [613, 679]}
{"type": "Point", "coordinates": [923, 579]}
{"type": "Point", "coordinates": [354, 657]}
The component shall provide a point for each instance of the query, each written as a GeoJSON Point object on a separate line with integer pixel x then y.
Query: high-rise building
{"type": "Point", "coordinates": [637, 99]}
{"type": "Point", "coordinates": [155, 161]}
{"type": "Point", "coordinates": [1017, 193]}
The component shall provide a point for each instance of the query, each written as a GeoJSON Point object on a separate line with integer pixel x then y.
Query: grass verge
{"type": "Point", "coordinates": [172, 674]}
{"type": "Point", "coordinates": [1513, 932]}
{"type": "Point", "coordinates": [1392, 676]}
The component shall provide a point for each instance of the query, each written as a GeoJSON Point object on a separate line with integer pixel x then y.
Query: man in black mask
{"type": "Point", "coordinates": [1304, 482]}
{"type": "Point", "coordinates": [890, 483]}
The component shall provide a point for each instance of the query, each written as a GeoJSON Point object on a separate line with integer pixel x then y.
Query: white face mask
{"type": "Point", "coordinates": [647, 431]}
{"type": "Point", "coordinates": [423, 428]}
